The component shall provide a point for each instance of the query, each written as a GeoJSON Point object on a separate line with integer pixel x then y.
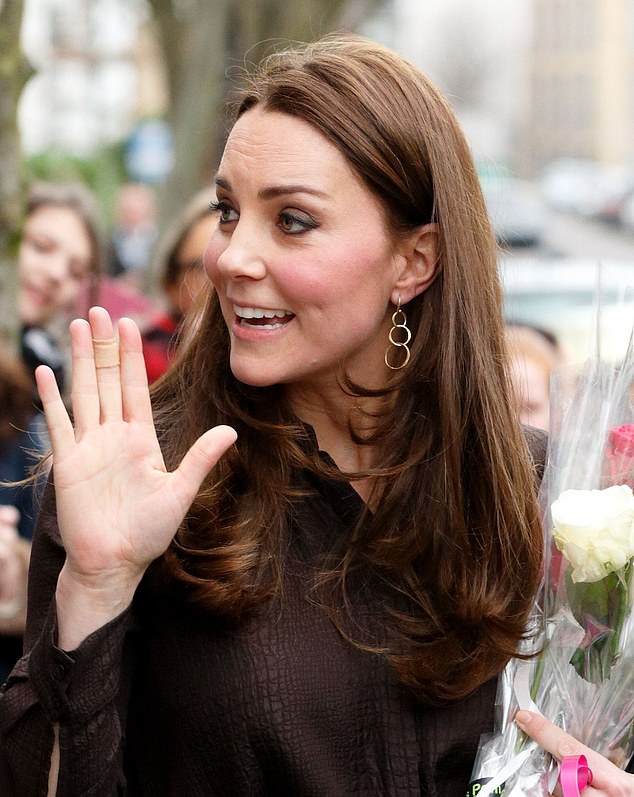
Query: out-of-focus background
{"type": "Point", "coordinates": [120, 92]}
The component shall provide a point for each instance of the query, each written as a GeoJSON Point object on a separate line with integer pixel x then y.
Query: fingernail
{"type": "Point", "coordinates": [523, 718]}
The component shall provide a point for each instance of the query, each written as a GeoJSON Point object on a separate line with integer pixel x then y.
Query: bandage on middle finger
{"type": "Point", "coordinates": [106, 352]}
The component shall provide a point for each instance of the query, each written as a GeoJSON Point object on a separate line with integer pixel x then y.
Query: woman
{"type": "Point", "coordinates": [347, 581]}
{"type": "Point", "coordinates": [59, 249]}
{"type": "Point", "coordinates": [532, 359]}
{"type": "Point", "coordinates": [179, 262]}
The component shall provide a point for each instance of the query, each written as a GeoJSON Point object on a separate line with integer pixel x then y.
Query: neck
{"type": "Point", "coordinates": [330, 412]}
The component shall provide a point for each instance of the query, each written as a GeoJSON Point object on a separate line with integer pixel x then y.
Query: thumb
{"type": "Point", "coordinates": [199, 460]}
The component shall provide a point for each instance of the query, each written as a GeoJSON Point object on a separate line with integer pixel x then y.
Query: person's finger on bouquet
{"type": "Point", "coordinates": [606, 779]}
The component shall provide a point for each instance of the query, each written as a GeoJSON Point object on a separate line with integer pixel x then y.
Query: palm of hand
{"type": "Point", "coordinates": [117, 506]}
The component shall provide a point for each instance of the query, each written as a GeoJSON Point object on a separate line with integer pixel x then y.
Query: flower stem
{"type": "Point", "coordinates": [623, 590]}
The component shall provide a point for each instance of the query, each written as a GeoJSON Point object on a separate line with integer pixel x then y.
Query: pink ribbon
{"type": "Point", "coordinates": [574, 775]}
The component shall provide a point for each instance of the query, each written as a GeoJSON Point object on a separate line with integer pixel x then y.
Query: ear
{"type": "Point", "coordinates": [417, 263]}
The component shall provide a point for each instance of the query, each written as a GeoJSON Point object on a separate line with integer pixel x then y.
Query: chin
{"type": "Point", "coordinates": [30, 317]}
{"type": "Point", "coordinates": [255, 377]}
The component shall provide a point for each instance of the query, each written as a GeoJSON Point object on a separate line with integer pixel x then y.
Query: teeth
{"type": "Point", "coordinates": [258, 312]}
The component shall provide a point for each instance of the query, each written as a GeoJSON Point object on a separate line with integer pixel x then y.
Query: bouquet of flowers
{"type": "Point", "coordinates": [582, 676]}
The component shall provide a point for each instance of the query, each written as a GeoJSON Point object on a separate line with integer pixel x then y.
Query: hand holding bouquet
{"type": "Point", "coordinates": [582, 678]}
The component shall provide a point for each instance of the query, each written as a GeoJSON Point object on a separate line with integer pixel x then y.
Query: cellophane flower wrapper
{"type": "Point", "coordinates": [583, 678]}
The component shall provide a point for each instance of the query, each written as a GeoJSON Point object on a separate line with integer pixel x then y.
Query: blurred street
{"type": "Point", "coordinates": [571, 236]}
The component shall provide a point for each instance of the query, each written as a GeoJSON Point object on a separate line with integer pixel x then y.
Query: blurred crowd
{"type": "Point", "coordinates": [65, 265]}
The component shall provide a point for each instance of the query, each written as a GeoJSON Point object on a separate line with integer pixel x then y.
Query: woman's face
{"type": "Point", "coordinates": [301, 258]}
{"type": "Point", "coordinates": [191, 277]}
{"type": "Point", "coordinates": [54, 258]}
{"type": "Point", "coordinates": [530, 381]}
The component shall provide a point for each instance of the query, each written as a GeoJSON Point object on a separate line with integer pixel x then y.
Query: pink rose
{"type": "Point", "coordinates": [620, 455]}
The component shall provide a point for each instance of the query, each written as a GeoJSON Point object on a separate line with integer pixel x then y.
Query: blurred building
{"type": "Point", "coordinates": [476, 53]}
{"type": "Point", "coordinates": [581, 79]}
{"type": "Point", "coordinates": [98, 71]}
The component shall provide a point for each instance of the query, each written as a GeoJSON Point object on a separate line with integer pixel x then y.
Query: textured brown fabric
{"type": "Point", "coordinates": [166, 701]}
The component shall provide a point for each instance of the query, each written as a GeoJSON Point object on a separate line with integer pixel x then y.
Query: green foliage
{"type": "Point", "coordinates": [102, 172]}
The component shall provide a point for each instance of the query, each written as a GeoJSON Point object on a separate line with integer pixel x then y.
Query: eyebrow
{"type": "Point", "coordinates": [276, 190]}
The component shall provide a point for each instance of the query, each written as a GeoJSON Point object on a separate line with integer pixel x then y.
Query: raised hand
{"type": "Point", "coordinates": [118, 508]}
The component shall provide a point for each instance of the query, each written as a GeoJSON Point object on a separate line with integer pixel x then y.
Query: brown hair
{"type": "Point", "coordinates": [16, 396]}
{"type": "Point", "coordinates": [455, 539]}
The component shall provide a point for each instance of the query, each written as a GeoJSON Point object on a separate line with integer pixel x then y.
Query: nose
{"type": "Point", "coordinates": [57, 267]}
{"type": "Point", "coordinates": [242, 255]}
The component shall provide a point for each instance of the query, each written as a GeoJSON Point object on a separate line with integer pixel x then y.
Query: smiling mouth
{"type": "Point", "coordinates": [261, 318]}
{"type": "Point", "coordinates": [36, 294]}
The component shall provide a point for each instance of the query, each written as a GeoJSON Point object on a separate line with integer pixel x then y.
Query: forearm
{"type": "Point", "coordinates": [76, 693]}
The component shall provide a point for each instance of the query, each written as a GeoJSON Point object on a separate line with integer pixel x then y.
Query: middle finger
{"type": "Point", "coordinates": [108, 375]}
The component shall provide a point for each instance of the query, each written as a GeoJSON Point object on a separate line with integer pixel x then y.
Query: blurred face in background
{"type": "Point", "coordinates": [191, 277]}
{"type": "Point", "coordinates": [53, 261]}
{"type": "Point", "coordinates": [532, 358]}
{"type": "Point", "coordinates": [531, 383]}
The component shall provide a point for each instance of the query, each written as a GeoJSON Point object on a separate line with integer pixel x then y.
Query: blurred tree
{"type": "Point", "coordinates": [205, 42]}
{"type": "Point", "coordinates": [14, 72]}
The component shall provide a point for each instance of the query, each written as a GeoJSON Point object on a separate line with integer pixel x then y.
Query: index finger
{"type": "Point", "coordinates": [561, 744]}
{"type": "Point", "coordinates": [60, 428]}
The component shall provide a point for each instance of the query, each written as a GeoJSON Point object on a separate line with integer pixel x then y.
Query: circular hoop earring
{"type": "Point", "coordinates": [399, 322]}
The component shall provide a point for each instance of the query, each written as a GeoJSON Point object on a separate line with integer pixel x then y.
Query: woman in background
{"type": "Point", "coordinates": [60, 249]}
{"type": "Point", "coordinates": [179, 262]}
{"type": "Point", "coordinates": [533, 356]}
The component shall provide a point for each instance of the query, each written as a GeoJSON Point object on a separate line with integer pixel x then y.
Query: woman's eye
{"type": "Point", "coordinates": [40, 244]}
{"type": "Point", "coordinates": [294, 223]}
{"type": "Point", "coordinates": [225, 212]}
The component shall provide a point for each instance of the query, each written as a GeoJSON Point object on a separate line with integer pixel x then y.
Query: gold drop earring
{"type": "Point", "coordinates": [400, 328]}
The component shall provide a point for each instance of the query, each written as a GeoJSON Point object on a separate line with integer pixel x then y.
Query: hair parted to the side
{"type": "Point", "coordinates": [455, 536]}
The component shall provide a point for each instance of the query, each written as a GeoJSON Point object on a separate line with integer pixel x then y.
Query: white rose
{"type": "Point", "coordinates": [594, 529]}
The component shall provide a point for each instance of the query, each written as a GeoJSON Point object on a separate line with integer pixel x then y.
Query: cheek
{"type": "Point", "coordinates": [27, 261]}
{"type": "Point", "coordinates": [68, 293]}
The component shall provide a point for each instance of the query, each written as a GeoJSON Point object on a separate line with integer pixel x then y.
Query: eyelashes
{"type": "Point", "coordinates": [223, 209]}
{"type": "Point", "coordinates": [290, 223]}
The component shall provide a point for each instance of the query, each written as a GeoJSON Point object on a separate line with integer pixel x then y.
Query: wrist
{"type": "Point", "coordinates": [84, 606]}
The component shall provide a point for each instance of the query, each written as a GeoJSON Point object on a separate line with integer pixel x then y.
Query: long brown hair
{"type": "Point", "coordinates": [455, 536]}
{"type": "Point", "coordinates": [16, 396]}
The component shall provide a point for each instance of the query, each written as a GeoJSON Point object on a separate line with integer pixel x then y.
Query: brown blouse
{"type": "Point", "coordinates": [165, 700]}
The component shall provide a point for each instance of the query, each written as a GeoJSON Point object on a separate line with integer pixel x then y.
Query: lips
{"type": "Point", "coordinates": [36, 295]}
